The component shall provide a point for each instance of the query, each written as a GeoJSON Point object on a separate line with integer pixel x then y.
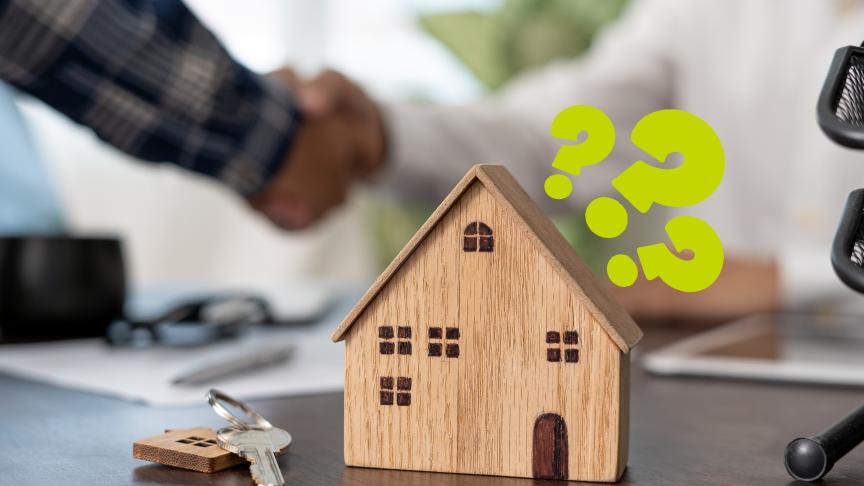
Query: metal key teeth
{"type": "Point", "coordinates": [264, 468]}
{"type": "Point", "coordinates": [257, 442]}
{"type": "Point", "coordinates": [261, 477]}
{"type": "Point", "coordinates": [259, 447]}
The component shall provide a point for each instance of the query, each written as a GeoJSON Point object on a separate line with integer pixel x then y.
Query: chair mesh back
{"type": "Point", "coordinates": [850, 103]}
{"type": "Point", "coordinates": [857, 255]}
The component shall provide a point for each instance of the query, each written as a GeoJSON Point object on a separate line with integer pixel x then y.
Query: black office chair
{"type": "Point", "coordinates": [840, 112]}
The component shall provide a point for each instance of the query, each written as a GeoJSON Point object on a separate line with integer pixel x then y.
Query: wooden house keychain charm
{"type": "Point", "coordinates": [194, 449]}
{"type": "Point", "coordinates": [488, 347]}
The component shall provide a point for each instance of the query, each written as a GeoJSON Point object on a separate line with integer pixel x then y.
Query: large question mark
{"type": "Point", "coordinates": [693, 275]}
{"type": "Point", "coordinates": [569, 124]}
{"type": "Point", "coordinates": [660, 134]}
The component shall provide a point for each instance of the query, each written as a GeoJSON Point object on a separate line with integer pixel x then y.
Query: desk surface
{"type": "Point", "coordinates": [683, 432]}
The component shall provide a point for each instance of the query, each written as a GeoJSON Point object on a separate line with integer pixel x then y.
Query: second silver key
{"type": "Point", "coordinates": [258, 446]}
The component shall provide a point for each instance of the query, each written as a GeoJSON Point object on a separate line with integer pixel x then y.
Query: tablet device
{"type": "Point", "coordinates": [827, 349]}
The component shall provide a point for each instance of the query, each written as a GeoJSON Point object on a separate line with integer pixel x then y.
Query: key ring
{"type": "Point", "coordinates": [215, 399]}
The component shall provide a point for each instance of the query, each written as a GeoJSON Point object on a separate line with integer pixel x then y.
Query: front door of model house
{"type": "Point", "coordinates": [550, 447]}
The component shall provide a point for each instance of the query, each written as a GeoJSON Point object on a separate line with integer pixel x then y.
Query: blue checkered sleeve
{"type": "Point", "coordinates": [147, 77]}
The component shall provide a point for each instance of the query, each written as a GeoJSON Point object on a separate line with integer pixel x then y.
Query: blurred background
{"type": "Point", "coordinates": [180, 228]}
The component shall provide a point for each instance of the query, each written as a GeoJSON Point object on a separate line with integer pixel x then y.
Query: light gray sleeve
{"type": "Point", "coordinates": [628, 73]}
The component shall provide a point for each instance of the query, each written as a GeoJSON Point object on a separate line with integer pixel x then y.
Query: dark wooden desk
{"type": "Point", "coordinates": [684, 432]}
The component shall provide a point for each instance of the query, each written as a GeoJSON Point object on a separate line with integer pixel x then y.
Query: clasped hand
{"type": "Point", "coordinates": [340, 141]}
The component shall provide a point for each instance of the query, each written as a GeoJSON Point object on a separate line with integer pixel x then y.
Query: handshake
{"type": "Point", "coordinates": [341, 140]}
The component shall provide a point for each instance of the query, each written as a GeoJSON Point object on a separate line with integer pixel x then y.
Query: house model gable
{"type": "Point", "coordinates": [488, 347]}
{"type": "Point", "coordinates": [504, 188]}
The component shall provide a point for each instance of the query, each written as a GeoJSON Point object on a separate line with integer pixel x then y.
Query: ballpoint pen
{"type": "Point", "coordinates": [246, 363]}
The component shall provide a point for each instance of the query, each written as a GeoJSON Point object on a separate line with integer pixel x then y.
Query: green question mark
{"type": "Point", "coordinates": [660, 134]}
{"type": "Point", "coordinates": [568, 124]}
{"type": "Point", "coordinates": [693, 275]}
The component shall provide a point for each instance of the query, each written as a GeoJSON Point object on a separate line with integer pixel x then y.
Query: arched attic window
{"type": "Point", "coordinates": [478, 237]}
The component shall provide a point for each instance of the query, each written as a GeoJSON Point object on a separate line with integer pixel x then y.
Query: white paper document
{"type": "Point", "coordinates": [145, 375]}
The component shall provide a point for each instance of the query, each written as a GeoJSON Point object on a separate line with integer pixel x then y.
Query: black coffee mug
{"type": "Point", "coordinates": [58, 287]}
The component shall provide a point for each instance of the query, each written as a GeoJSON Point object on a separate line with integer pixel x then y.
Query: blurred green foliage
{"type": "Point", "coordinates": [521, 34]}
{"type": "Point", "coordinates": [392, 225]}
{"type": "Point", "coordinates": [497, 46]}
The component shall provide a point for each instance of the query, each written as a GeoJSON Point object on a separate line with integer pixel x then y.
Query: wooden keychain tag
{"type": "Point", "coordinates": [194, 449]}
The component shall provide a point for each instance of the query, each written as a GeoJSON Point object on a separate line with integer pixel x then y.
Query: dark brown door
{"type": "Point", "coordinates": [550, 447]}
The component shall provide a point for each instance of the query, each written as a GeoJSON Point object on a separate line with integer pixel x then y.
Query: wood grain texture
{"type": "Point", "coordinates": [475, 413]}
{"type": "Point", "coordinates": [609, 313]}
{"type": "Point", "coordinates": [540, 230]}
{"type": "Point", "coordinates": [623, 413]}
{"type": "Point", "coordinates": [193, 449]}
{"type": "Point", "coordinates": [684, 432]}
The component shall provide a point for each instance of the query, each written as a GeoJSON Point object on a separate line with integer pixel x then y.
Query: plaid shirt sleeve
{"type": "Point", "coordinates": [151, 80]}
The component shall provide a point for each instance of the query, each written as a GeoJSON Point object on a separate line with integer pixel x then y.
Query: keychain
{"type": "Point", "coordinates": [258, 442]}
{"type": "Point", "coordinates": [202, 449]}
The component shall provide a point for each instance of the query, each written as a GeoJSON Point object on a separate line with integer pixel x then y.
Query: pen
{"type": "Point", "coordinates": [221, 369]}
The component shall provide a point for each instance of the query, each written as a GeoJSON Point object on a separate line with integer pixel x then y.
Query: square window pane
{"type": "Point", "coordinates": [386, 348]}
{"type": "Point", "coordinates": [434, 349]}
{"type": "Point", "coordinates": [469, 244]}
{"type": "Point", "coordinates": [403, 399]}
{"type": "Point", "coordinates": [452, 350]}
{"type": "Point", "coordinates": [386, 398]}
{"type": "Point", "coordinates": [404, 347]}
{"type": "Point", "coordinates": [452, 333]}
{"type": "Point", "coordinates": [403, 383]}
{"type": "Point", "coordinates": [571, 337]}
{"type": "Point", "coordinates": [571, 355]}
{"type": "Point", "coordinates": [553, 355]}
{"type": "Point", "coordinates": [387, 382]}
{"type": "Point", "coordinates": [553, 337]}
{"type": "Point", "coordinates": [385, 332]}
{"type": "Point", "coordinates": [404, 332]}
{"type": "Point", "coordinates": [434, 333]}
{"type": "Point", "coordinates": [486, 243]}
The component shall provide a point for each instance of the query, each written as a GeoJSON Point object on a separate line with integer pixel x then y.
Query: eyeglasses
{"type": "Point", "coordinates": [193, 323]}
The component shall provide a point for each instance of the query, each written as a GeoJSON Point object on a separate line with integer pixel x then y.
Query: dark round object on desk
{"type": "Point", "coordinates": [810, 458]}
{"type": "Point", "coordinates": [806, 460]}
{"type": "Point", "coordinates": [55, 287]}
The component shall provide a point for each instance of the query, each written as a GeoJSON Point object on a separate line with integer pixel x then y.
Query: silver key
{"type": "Point", "coordinates": [257, 442]}
{"type": "Point", "coordinates": [259, 447]}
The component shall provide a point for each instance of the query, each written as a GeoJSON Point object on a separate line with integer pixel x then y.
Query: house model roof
{"type": "Point", "coordinates": [504, 188]}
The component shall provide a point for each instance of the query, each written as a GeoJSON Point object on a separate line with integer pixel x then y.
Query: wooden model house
{"type": "Point", "coordinates": [488, 347]}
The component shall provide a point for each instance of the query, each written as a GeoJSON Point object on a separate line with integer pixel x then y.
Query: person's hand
{"type": "Point", "coordinates": [332, 94]}
{"type": "Point", "coordinates": [317, 173]}
{"type": "Point", "coordinates": [341, 139]}
{"type": "Point", "coordinates": [744, 287]}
